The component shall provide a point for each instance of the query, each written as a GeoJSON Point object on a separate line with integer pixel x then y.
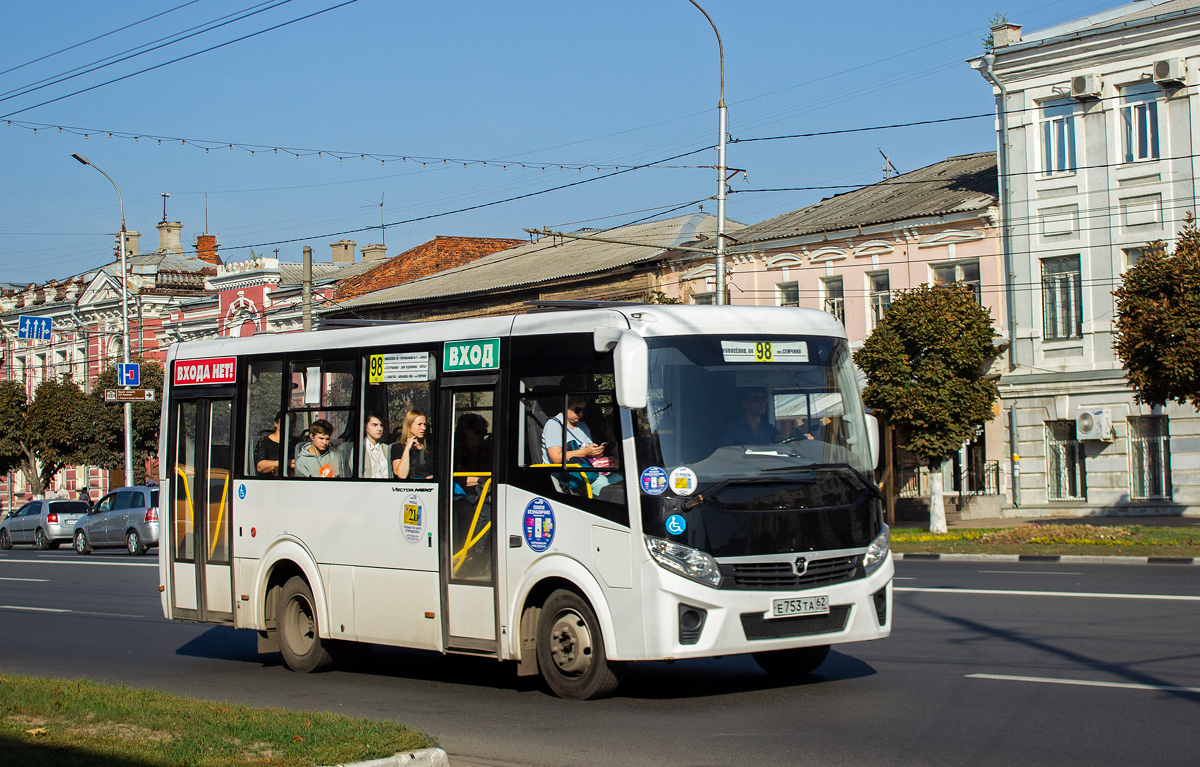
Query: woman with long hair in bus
{"type": "Point", "coordinates": [409, 456]}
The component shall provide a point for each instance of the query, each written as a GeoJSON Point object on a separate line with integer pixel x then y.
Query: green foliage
{"type": "Point", "coordinates": [54, 422]}
{"type": "Point", "coordinates": [1157, 327]}
{"type": "Point", "coordinates": [12, 426]}
{"type": "Point", "coordinates": [924, 366]}
{"type": "Point", "coordinates": [997, 19]}
{"type": "Point", "coordinates": [105, 427]}
{"type": "Point", "coordinates": [659, 297]}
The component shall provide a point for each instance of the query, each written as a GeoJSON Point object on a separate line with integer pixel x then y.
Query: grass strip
{"type": "Point", "coordinates": [79, 723]}
{"type": "Point", "coordinates": [1051, 538]}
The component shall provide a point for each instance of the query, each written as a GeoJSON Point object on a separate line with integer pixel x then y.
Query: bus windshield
{"type": "Point", "coordinates": [761, 445]}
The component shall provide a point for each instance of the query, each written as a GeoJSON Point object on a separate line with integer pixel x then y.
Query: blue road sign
{"type": "Point", "coordinates": [34, 328]}
{"type": "Point", "coordinates": [129, 374]}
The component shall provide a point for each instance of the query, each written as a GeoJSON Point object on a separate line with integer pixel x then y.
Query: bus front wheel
{"type": "Point", "coordinates": [570, 649]}
{"type": "Point", "coordinates": [299, 636]}
{"type": "Point", "coordinates": [792, 663]}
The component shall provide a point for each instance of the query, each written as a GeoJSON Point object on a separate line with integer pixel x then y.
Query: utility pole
{"type": "Point", "coordinates": [721, 169]}
{"type": "Point", "coordinates": [307, 283]}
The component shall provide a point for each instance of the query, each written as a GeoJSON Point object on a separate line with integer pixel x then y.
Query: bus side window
{"type": "Point", "coordinates": [397, 404]}
{"type": "Point", "coordinates": [263, 404]}
{"type": "Point", "coordinates": [322, 395]}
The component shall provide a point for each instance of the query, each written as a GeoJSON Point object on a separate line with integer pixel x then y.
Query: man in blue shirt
{"type": "Point", "coordinates": [752, 428]}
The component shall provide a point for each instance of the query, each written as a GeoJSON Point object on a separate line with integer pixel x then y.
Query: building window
{"type": "Point", "coordinates": [1058, 136]}
{"type": "Point", "coordinates": [964, 273]}
{"type": "Point", "coordinates": [1149, 459]}
{"type": "Point", "coordinates": [881, 296]}
{"type": "Point", "coordinates": [1062, 298]}
{"type": "Point", "coordinates": [1132, 256]}
{"type": "Point", "coordinates": [1065, 477]}
{"type": "Point", "coordinates": [835, 297]}
{"type": "Point", "coordinates": [789, 293]}
{"type": "Point", "coordinates": [704, 298]}
{"type": "Point", "coordinates": [1139, 121]}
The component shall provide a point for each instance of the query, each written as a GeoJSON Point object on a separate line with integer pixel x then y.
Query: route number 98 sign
{"type": "Point", "coordinates": [764, 351]}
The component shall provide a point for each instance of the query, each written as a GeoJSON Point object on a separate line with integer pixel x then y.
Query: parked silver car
{"type": "Point", "coordinates": [45, 524]}
{"type": "Point", "coordinates": [127, 516]}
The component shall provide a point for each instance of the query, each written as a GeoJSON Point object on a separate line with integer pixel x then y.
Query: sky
{"type": "Point", "coordinates": [280, 124]}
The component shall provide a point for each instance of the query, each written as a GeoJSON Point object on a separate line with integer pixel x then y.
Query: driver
{"type": "Point", "coordinates": [752, 428]}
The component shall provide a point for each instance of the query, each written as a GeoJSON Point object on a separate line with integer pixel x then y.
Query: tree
{"type": "Point", "coordinates": [106, 444]}
{"type": "Point", "coordinates": [1157, 325]}
{"type": "Point", "coordinates": [41, 437]}
{"type": "Point", "coordinates": [924, 364]}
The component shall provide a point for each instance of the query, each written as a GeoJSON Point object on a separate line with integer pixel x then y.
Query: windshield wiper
{"type": "Point", "coordinates": [866, 483]}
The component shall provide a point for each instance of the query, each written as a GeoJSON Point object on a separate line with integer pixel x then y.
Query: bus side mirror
{"type": "Point", "coordinates": [631, 364]}
{"type": "Point", "coordinates": [873, 439]}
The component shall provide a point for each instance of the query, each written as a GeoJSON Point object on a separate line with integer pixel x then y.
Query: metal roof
{"type": "Point", "coordinates": [1121, 15]}
{"type": "Point", "coordinates": [955, 185]}
{"type": "Point", "coordinates": [552, 258]}
{"type": "Point", "coordinates": [322, 271]}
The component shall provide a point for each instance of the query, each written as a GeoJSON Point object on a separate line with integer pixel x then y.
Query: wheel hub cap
{"type": "Point", "coordinates": [571, 643]}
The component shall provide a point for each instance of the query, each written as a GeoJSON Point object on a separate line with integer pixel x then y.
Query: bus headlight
{"type": "Point", "coordinates": [688, 562]}
{"type": "Point", "coordinates": [877, 551]}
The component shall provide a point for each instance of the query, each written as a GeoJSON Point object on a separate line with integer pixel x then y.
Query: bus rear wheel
{"type": "Point", "coordinates": [792, 663]}
{"type": "Point", "coordinates": [299, 635]}
{"type": "Point", "coordinates": [570, 649]}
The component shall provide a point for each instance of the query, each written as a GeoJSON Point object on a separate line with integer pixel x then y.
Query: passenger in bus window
{"type": "Point", "coordinates": [269, 452]}
{"type": "Point", "coordinates": [317, 459]}
{"type": "Point", "coordinates": [472, 452]}
{"type": "Point", "coordinates": [375, 453]}
{"type": "Point", "coordinates": [566, 440]}
{"type": "Point", "coordinates": [752, 428]}
{"type": "Point", "coordinates": [410, 459]}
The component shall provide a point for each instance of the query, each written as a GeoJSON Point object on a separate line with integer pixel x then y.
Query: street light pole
{"type": "Point", "coordinates": [124, 323]}
{"type": "Point", "coordinates": [721, 169]}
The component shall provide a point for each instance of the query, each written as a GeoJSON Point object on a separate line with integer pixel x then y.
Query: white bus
{"type": "Point", "coordinates": [593, 487]}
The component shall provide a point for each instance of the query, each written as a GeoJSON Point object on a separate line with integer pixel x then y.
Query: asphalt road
{"type": "Point", "coordinates": [989, 664]}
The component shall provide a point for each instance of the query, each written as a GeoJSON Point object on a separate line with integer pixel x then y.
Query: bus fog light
{"type": "Point", "coordinates": [877, 551]}
{"type": "Point", "coordinates": [688, 562]}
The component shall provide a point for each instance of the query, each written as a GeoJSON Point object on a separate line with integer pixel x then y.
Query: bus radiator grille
{"type": "Point", "coordinates": [781, 576]}
{"type": "Point", "coordinates": [758, 627]}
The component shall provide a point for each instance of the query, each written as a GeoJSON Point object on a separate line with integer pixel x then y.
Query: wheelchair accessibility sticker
{"type": "Point", "coordinates": [676, 524]}
{"type": "Point", "coordinates": [242, 492]}
{"type": "Point", "coordinates": [412, 519]}
{"type": "Point", "coordinates": [539, 525]}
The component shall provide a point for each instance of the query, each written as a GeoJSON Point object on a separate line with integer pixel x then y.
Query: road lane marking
{"type": "Point", "coordinates": [64, 610]}
{"type": "Point", "coordinates": [27, 580]}
{"type": "Point", "coordinates": [1084, 682]}
{"type": "Point", "coordinates": [1084, 594]}
{"type": "Point", "coordinates": [79, 562]}
{"type": "Point", "coordinates": [1027, 572]}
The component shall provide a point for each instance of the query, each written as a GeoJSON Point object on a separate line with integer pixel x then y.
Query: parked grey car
{"type": "Point", "coordinates": [45, 524]}
{"type": "Point", "coordinates": [127, 516]}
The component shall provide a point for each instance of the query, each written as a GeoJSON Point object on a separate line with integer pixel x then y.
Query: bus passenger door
{"type": "Point", "coordinates": [468, 511]}
{"type": "Point", "coordinates": [201, 501]}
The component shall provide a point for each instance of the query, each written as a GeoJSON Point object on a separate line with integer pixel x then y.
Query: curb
{"type": "Point", "coordinates": [1078, 559]}
{"type": "Point", "coordinates": [425, 757]}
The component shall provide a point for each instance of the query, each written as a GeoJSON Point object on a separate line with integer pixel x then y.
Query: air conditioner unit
{"type": "Point", "coordinates": [1094, 423]}
{"type": "Point", "coordinates": [1170, 71]}
{"type": "Point", "coordinates": [1086, 87]}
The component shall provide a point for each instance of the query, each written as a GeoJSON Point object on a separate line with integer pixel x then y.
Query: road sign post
{"type": "Point", "coordinates": [33, 328]}
{"type": "Point", "coordinates": [129, 395]}
{"type": "Point", "coordinates": [129, 374]}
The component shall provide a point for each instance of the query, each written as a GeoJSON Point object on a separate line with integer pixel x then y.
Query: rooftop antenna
{"type": "Point", "coordinates": [382, 226]}
{"type": "Point", "coordinates": [165, 195]}
{"type": "Point", "coordinates": [888, 168]}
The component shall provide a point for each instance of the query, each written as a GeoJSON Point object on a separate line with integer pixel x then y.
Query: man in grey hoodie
{"type": "Point", "coordinates": [317, 459]}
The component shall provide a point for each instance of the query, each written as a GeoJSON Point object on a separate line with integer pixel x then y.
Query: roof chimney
{"type": "Point", "coordinates": [343, 251]}
{"type": "Point", "coordinates": [1005, 34]}
{"type": "Point", "coordinates": [131, 243]}
{"type": "Point", "coordinates": [206, 248]}
{"type": "Point", "coordinates": [374, 252]}
{"type": "Point", "coordinates": [169, 237]}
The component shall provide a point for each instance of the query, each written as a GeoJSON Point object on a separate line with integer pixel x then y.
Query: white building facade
{"type": "Point", "coordinates": [1099, 127]}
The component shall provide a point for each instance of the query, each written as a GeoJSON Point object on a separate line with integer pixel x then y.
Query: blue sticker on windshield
{"type": "Point", "coordinates": [676, 524]}
{"type": "Point", "coordinates": [539, 524]}
{"type": "Point", "coordinates": [654, 481]}
{"type": "Point", "coordinates": [242, 492]}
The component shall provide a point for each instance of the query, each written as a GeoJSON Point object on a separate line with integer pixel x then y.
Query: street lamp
{"type": "Point", "coordinates": [124, 324]}
{"type": "Point", "coordinates": [721, 169]}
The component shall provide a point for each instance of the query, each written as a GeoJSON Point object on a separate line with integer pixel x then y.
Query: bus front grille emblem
{"type": "Point", "coordinates": [801, 565]}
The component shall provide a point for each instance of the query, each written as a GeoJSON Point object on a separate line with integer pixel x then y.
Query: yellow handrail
{"type": "Point", "coordinates": [581, 474]}
{"type": "Point", "coordinates": [220, 515]}
{"type": "Point", "coordinates": [457, 560]}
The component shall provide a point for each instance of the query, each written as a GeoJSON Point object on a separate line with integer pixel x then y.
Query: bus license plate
{"type": "Point", "coordinates": [784, 608]}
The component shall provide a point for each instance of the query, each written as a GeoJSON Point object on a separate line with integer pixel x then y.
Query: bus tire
{"type": "Point", "coordinates": [792, 663]}
{"type": "Point", "coordinates": [299, 635]}
{"type": "Point", "coordinates": [570, 649]}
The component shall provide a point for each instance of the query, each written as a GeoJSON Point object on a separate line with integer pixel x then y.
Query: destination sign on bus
{"type": "Point", "coordinates": [764, 351]}
{"type": "Point", "coordinates": [214, 370]}
{"type": "Point", "coordinates": [388, 368]}
{"type": "Point", "coordinates": [459, 356]}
